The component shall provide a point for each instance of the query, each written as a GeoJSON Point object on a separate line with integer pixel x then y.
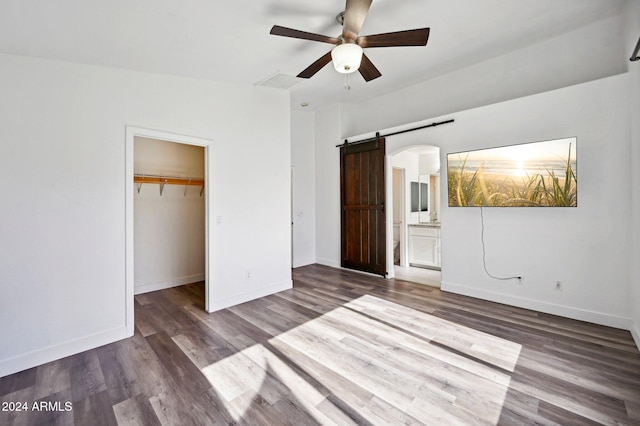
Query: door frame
{"type": "Point", "coordinates": [392, 150]}
{"type": "Point", "coordinates": [131, 133]}
{"type": "Point", "coordinates": [402, 243]}
{"type": "Point", "coordinates": [388, 188]}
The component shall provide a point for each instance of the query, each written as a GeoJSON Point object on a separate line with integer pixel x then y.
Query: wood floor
{"type": "Point", "coordinates": [340, 348]}
{"type": "Point", "coordinates": [425, 276]}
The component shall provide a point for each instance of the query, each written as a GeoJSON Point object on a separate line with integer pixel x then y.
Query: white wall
{"type": "Point", "coordinates": [410, 163]}
{"type": "Point", "coordinates": [587, 248]}
{"type": "Point", "coordinates": [429, 164]}
{"type": "Point", "coordinates": [169, 229]}
{"type": "Point", "coordinates": [398, 197]}
{"type": "Point", "coordinates": [163, 158]}
{"type": "Point", "coordinates": [62, 176]}
{"type": "Point", "coordinates": [327, 164]}
{"type": "Point", "coordinates": [632, 34]}
{"type": "Point", "coordinates": [586, 54]}
{"type": "Point", "coordinates": [304, 188]}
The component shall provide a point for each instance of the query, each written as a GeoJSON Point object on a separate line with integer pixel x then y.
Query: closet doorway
{"type": "Point", "coordinates": [167, 208]}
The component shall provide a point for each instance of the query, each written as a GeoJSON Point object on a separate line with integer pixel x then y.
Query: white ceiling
{"type": "Point", "coordinates": [229, 41]}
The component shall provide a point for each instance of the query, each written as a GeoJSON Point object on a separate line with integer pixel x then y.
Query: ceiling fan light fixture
{"type": "Point", "coordinates": [346, 57]}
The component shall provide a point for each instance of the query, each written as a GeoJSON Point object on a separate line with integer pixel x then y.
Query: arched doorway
{"type": "Point", "coordinates": [413, 222]}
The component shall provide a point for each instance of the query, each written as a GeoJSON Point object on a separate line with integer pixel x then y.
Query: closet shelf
{"type": "Point", "coordinates": [168, 180]}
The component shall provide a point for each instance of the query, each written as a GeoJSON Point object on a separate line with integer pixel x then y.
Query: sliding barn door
{"type": "Point", "coordinates": [363, 217]}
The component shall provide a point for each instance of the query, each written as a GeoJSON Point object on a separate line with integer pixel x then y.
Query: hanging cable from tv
{"type": "Point", "coordinates": [484, 255]}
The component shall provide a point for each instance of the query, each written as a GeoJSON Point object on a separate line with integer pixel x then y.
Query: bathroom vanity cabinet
{"type": "Point", "coordinates": [424, 245]}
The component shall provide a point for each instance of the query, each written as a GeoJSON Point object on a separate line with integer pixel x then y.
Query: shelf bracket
{"type": "Point", "coordinates": [140, 185]}
{"type": "Point", "coordinates": [162, 186]}
{"type": "Point", "coordinates": [201, 190]}
{"type": "Point", "coordinates": [185, 188]}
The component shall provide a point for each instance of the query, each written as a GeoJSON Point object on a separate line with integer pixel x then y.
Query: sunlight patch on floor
{"type": "Point", "coordinates": [494, 350]}
{"type": "Point", "coordinates": [257, 371]}
{"type": "Point", "coordinates": [385, 361]}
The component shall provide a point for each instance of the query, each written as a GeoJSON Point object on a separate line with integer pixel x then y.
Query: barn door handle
{"type": "Point", "coordinates": [382, 206]}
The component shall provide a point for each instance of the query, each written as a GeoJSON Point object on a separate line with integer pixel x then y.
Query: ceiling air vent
{"type": "Point", "coordinates": [280, 81]}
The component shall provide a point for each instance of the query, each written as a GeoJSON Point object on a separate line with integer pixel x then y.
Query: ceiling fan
{"type": "Point", "coordinates": [348, 56]}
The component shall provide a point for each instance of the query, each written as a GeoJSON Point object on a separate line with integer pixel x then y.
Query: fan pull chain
{"type": "Point", "coordinates": [347, 85]}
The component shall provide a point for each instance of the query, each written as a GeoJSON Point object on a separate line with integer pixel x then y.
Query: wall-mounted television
{"type": "Point", "coordinates": [538, 174]}
{"type": "Point", "coordinates": [419, 196]}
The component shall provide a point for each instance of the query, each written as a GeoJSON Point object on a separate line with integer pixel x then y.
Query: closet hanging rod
{"type": "Point", "coordinates": [169, 180]}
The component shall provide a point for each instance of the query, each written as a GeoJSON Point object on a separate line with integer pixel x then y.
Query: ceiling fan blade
{"type": "Point", "coordinates": [289, 32]}
{"type": "Point", "coordinates": [368, 70]}
{"type": "Point", "coordinates": [416, 37]}
{"type": "Point", "coordinates": [354, 15]}
{"type": "Point", "coordinates": [316, 66]}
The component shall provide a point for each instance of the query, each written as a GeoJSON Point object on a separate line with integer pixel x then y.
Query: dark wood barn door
{"type": "Point", "coordinates": [363, 203]}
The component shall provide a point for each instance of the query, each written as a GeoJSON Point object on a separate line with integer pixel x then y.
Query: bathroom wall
{"type": "Point", "coordinates": [409, 162]}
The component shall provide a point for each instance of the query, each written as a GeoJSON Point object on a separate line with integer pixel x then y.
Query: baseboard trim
{"type": "Point", "coordinates": [328, 262]}
{"type": "Point", "coordinates": [549, 308]}
{"type": "Point", "coordinates": [55, 352]}
{"type": "Point", "coordinates": [635, 333]}
{"type": "Point", "coordinates": [218, 304]}
{"type": "Point", "coordinates": [188, 279]}
{"type": "Point", "coordinates": [303, 262]}
{"type": "Point", "coordinates": [334, 264]}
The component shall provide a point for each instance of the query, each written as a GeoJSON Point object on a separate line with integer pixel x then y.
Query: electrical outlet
{"type": "Point", "coordinates": [248, 275]}
{"type": "Point", "coordinates": [559, 285]}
